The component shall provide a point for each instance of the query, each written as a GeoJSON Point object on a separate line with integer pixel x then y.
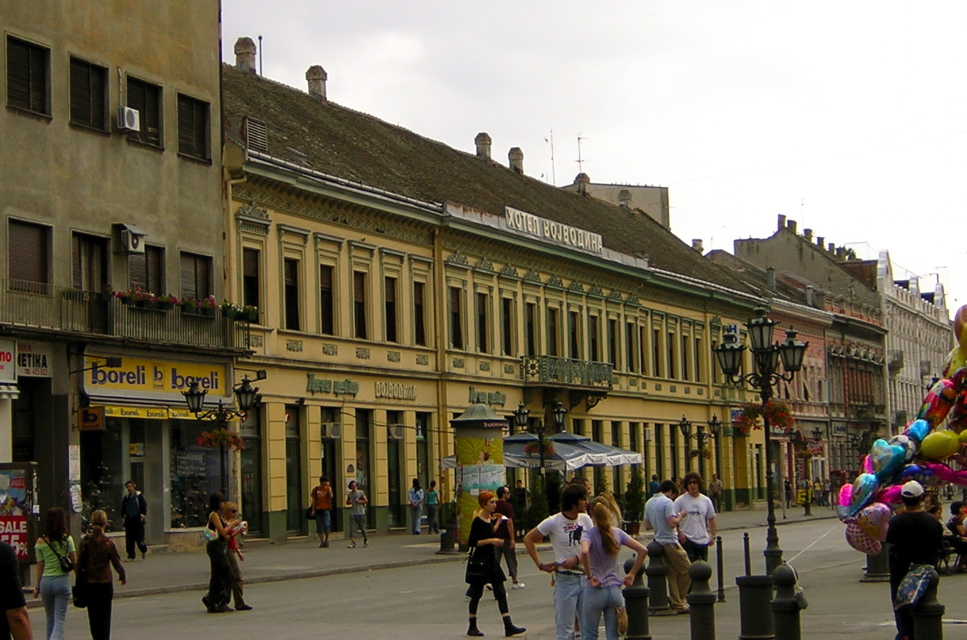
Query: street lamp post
{"type": "Point", "coordinates": [700, 437]}
{"type": "Point", "coordinates": [245, 396]}
{"type": "Point", "coordinates": [765, 356]}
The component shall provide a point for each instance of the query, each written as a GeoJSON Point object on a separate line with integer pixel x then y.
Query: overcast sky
{"type": "Point", "coordinates": [848, 117]}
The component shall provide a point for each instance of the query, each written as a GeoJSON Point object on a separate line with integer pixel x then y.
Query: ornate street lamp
{"type": "Point", "coordinates": [765, 357]}
{"type": "Point", "coordinates": [700, 437]}
{"type": "Point", "coordinates": [559, 414]}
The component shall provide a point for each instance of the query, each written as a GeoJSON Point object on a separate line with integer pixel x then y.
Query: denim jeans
{"type": "Point", "coordinates": [432, 525]}
{"type": "Point", "coordinates": [55, 592]}
{"type": "Point", "coordinates": [568, 591]}
{"type": "Point", "coordinates": [417, 516]}
{"type": "Point", "coordinates": [598, 600]}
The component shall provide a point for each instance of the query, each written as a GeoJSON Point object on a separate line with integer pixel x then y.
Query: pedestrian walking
{"type": "Point", "coordinates": [505, 530]}
{"type": "Point", "coordinates": [416, 496]}
{"type": "Point", "coordinates": [220, 583]}
{"type": "Point", "coordinates": [321, 497]}
{"type": "Point", "coordinates": [356, 500]}
{"type": "Point", "coordinates": [96, 557]}
{"type": "Point", "coordinates": [565, 530]}
{"type": "Point", "coordinates": [697, 532]}
{"type": "Point", "coordinates": [432, 508]}
{"type": "Point", "coordinates": [787, 487]}
{"type": "Point", "coordinates": [483, 541]}
{"type": "Point", "coordinates": [915, 536]}
{"type": "Point", "coordinates": [235, 555]}
{"type": "Point", "coordinates": [15, 621]}
{"type": "Point", "coordinates": [53, 581]}
{"type": "Point", "coordinates": [660, 515]}
{"type": "Point", "coordinates": [134, 508]}
{"type": "Point", "coordinates": [715, 493]}
{"type": "Point", "coordinates": [602, 590]}
{"type": "Point", "coordinates": [653, 485]}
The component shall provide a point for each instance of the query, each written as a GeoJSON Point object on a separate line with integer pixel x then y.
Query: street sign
{"type": "Point", "coordinates": [90, 419]}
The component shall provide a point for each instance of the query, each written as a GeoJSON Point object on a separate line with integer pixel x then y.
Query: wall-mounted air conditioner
{"type": "Point", "coordinates": [129, 239]}
{"type": "Point", "coordinates": [129, 119]}
{"type": "Point", "coordinates": [394, 431]}
{"type": "Point", "coordinates": [331, 430]}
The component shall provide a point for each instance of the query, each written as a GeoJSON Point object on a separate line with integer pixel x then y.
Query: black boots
{"type": "Point", "coordinates": [473, 630]}
{"type": "Point", "coordinates": [510, 629]}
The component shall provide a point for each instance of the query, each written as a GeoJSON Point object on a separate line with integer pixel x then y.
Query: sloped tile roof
{"type": "Point", "coordinates": [358, 147]}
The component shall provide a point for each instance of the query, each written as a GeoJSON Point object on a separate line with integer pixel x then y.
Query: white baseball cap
{"type": "Point", "coordinates": [912, 489]}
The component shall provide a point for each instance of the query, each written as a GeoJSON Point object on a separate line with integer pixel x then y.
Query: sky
{"type": "Point", "coordinates": [848, 117]}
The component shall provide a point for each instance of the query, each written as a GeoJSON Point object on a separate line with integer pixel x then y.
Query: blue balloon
{"type": "Point", "coordinates": [918, 430]}
{"type": "Point", "coordinates": [864, 488]}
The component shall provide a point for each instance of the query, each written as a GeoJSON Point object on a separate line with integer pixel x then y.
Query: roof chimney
{"type": "Point", "coordinates": [820, 241]}
{"type": "Point", "coordinates": [515, 159]}
{"type": "Point", "coordinates": [483, 143]}
{"type": "Point", "coordinates": [624, 198]}
{"type": "Point", "coordinates": [317, 76]}
{"type": "Point", "coordinates": [831, 247]}
{"type": "Point", "coordinates": [791, 225]}
{"type": "Point", "coordinates": [771, 278]}
{"type": "Point", "coordinates": [782, 221]}
{"type": "Point", "coordinates": [245, 55]}
{"type": "Point", "coordinates": [808, 234]}
{"type": "Point", "coordinates": [697, 245]}
{"type": "Point", "coordinates": [810, 295]}
{"type": "Point", "coordinates": [582, 181]}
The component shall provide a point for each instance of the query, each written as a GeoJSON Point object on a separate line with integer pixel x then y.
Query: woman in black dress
{"type": "Point", "coordinates": [482, 541]}
{"type": "Point", "coordinates": [220, 584]}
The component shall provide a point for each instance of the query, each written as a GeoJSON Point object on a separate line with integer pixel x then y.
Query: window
{"type": "Point", "coordinates": [656, 353]}
{"type": "Point", "coordinates": [146, 270]}
{"type": "Point", "coordinates": [196, 280]}
{"type": "Point", "coordinates": [251, 278]}
{"type": "Point", "coordinates": [574, 330]}
{"type": "Point", "coordinates": [507, 325]}
{"type": "Point", "coordinates": [483, 326]}
{"type": "Point", "coordinates": [290, 267]}
{"type": "Point", "coordinates": [28, 257]}
{"type": "Point", "coordinates": [686, 358]}
{"type": "Point", "coordinates": [389, 302]}
{"type": "Point", "coordinates": [699, 359]}
{"type": "Point", "coordinates": [456, 318]}
{"type": "Point", "coordinates": [88, 94]}
{"type": "Point", "coordinates": [671, 355]}
{"type": "Point", "coordinates": [326, 301]}
{"type": "Point", "coordinates": [146, 98]}
{"type": "Point", "coordinates": [631, 359]}
{"type": "Point", "coordinates": [553, 331]}
{"type": "Point", "coordinates": [359, 305]}
{"type": "Point", "coordinates": [613, 342]}
{"type": "Point", "coordinates": [594, 352]}
{"type": "Point", "coordinates": [28, 85]}
{"type": "Point", "coordinates": [419, 313]}
{"type": "Point", "coordinates": [530, 328]}
{"type": "Point", "coordinates": [88, 262]}
{"type": "Point", "coordinates": [193, 128]}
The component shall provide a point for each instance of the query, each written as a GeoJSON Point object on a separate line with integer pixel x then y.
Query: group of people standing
{"type": "Point", "coordinates": [417, 497]}
{"type": "Point", "coordinates": [222, 532]}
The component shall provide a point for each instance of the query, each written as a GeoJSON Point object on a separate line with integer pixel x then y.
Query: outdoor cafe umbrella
{"type": "Point", "coordinates": [598, 454]}
{"type": "Point", "coordinates": [565, 457]}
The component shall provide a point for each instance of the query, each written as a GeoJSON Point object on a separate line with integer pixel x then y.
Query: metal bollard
{"type": "Point", "coordinates": [447, 540]}
{"type": "Point", "coordinates": [755, 616]}
{"type": "Point", "coordinates": [787, 604]}
{"type": "Point", "coordinates": [701, 602]}
{"type": "Point", "coordinates": [928, 613]}
{"type": "Point", "coordinates": [718, 567]}
{"type": "Point", "coordinates": [745, 550]}
{"type": "Point", "coordinates": [657, 574]}
{"type": "Point", "coordinates": [636, 601]}
{"type": "Point", "coordinates": [877, 567]}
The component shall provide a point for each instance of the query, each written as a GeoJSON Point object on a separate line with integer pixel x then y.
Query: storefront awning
{"type": "Point", "coordinates": [9, 391]}
{"type": "Point", "coordinates": [149, 413]}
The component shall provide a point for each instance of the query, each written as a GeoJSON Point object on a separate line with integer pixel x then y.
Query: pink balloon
{"type": "Point", "coordinates": [868, 464]}
{"type": "Point", "coordinates": [860, 541]}
{"type": "Point", "coordinates": [846, 495]}
{"type": "Point", "coordinates": [874, 519]}
{"type": "Point", "coordinates": [890, 495]}
{"type": "Point", "coordinates": [942, 471]}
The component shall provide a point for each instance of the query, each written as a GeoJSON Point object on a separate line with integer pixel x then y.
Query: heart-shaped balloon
{"type": "Point", "coordinates": [890, 495]}
{"type": "Point", "coordinates": [940, 445]}
{"type": "Point", "coordinates": [861, 541]}
{"type": "Point", "coordinates": [886, 459]}
{"type": "Point", "coordinates": [864, 487]}
{"type": "Point", "coordinates": [874, 520]}
{"type": "Point", "coordinates": [917, 430]}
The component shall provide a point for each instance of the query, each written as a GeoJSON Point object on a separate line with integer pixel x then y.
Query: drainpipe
{"type": "Point", "coordinates": [439, 337]}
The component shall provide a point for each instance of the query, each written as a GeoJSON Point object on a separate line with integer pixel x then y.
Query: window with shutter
{"type": "Point", "coordinates": [146, 98]}
{"type": "Point", "coordinates": [193, 139]}
{"type": "Point", "coordinates": [28, 257]}
{"type": "Point", "coordinates": [88, 262]}
{"type": "Point", "coordinates": [146, 270]}
{"type": "Point", "coordinates": [88, 94]}
{"type": "Point", "coordinates": [28, 67]}
{"type": "Point", "coordinates": [195, 271]}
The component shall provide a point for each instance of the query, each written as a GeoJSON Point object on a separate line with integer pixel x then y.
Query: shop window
{"type": "Point", "coordinates": [28, 84]}
{"type": "Point", "coordinates": [195, 474]}
{"type": "Point", "coordinates": [146, 270]}
{"type": "Point", "coordinates": [389, 308]}
{"type": "Point", "coordinates": [397, 485]}
{"type": "Point", "coordinates": [146, 98]}
{"type": "Point", "coordinates": [28, 257]}
{"type": "Point", "coordinates": [294, 490]}
{"type": "Point", "coordinates": [88, 94]}
{"type": "Point", "coordinates": [419, 313]}
{"type": "Point", "coordinates": [364, 423]}
{"type": "Point", "coordinates": [193, 128]}
{"type": "Point", "coordinates": [88, 262]}
{"type": "Point", "coordinates": [290, 275]}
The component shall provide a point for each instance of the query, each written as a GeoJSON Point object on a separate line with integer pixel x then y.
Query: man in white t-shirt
{"type": "Point", "coordinates": [698, 529]}
{"type": "Point", "coordinates": [564, 530]}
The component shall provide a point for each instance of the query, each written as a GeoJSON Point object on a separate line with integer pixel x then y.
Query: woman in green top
{"type": "Point", "coordinates": [54, 584]}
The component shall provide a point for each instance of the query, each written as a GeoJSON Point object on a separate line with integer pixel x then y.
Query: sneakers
{"type": "Point", "coordinates": [518, 585]}
{"type": "Point", "coordinates": [325, 544]}
{"type": "Point", "coordinates": [365, 544]}
{"type": "Point", "coordinates": [352, 545]}
{"type": "Point", "coordinates": [322, 545]}
{"type": "Point", "coordinates": [244, 607]}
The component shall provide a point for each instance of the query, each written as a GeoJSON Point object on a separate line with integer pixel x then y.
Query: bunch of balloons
{"type": "Point", "coordinates": [923, 452]}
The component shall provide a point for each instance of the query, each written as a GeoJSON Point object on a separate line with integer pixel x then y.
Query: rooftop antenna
{"type": "Point", "coordinates": [553, 170]}
{"type": "Point", "coordinates": [579, 160]}
{"type": "Point", "coordinates": [261, 70]}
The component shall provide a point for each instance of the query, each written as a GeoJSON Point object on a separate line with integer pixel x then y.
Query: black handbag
{"type": "Point", "coordinates": [478, 568]}
{"type": "Point", "coordinates": [65, 563]}
{"type": "Point", "coordinates": [309, 514]}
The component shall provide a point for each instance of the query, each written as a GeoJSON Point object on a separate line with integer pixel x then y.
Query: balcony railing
{"type": "Point", "coordinates": [566, 372]}
{"type": "Point", "coordinates": [31, 305]}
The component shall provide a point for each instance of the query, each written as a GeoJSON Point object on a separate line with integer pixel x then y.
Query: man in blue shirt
{"type": "Point", "coordinates": [134, 508]}
{"type": "Point", "coordinates": [660, 515]}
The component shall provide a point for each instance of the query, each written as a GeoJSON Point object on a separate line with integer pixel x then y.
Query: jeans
{"type": "Point", "coordinates": [598, 600]}
{"type": "Point", "coordinates": [323, 521]}
{"type": "Point", "coordinates": [417, 515]}
{"type": "Point", "coordinates": [55, 592]}
{"type": "Point", "coordinates": [431, 515]}
{"type": "Point", "coordinates": [568, 591]}
{"type": "Point", "coordinates": [357, 522]}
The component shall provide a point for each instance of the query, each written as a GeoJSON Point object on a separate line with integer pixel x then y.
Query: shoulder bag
{"type": "Point", "coordinates": [65, 563]}
{"type": "Point", "coordinates": [478, 567]}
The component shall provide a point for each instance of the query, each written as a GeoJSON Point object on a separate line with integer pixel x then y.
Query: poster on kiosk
{"type": "Point", "coordinates": [19, 509]}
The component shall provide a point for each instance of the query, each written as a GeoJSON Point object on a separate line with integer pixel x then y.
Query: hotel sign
{"type": "Point", "coordinates": [551, 231]}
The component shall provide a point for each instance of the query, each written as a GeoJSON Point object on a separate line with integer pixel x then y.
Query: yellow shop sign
{"type": "Point", "coordinates": [153, 376]}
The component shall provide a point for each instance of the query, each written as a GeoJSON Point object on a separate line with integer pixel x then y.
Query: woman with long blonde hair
{"type": "Point", "coordinates": [97, 555]}
{"type": "Point", "coordinates": [599, 556]}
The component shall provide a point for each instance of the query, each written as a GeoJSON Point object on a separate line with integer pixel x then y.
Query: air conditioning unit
{"type": "Point", "coordinates": [648, 434]}
{"type": "Point", "coordinates": [394, 431]}
{"type": "Point", "coordinates": [129, 119]}
{"type": "Point", "coordinates": [131, 242]}
{"type": "Point", "coordinates": [331, 430]}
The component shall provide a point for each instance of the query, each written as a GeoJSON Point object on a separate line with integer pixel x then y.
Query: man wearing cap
{"type": "Point", "coordinates": [915, 536]}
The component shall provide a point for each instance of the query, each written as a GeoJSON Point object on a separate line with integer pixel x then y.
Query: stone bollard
{"type": "Point", "coordinates": [928, 613]}
{"type": "Point", "coordinates": [636, 601]}
{"type": "Point", "coordinates": [701, 601]}
{"type": "Point", "coordinates": [755, 616]}
{"type": "Point", "coordinates": [877, 567]}
{"type": "Point", "coordinates": [657, 574]}
{"type": "Point", "coordinates": [787, 604]}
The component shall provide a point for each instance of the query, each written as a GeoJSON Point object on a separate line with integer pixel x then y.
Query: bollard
{"type": "Point", "coordinates": [928, 612]}
{"type": "Point", "coordinates": [787, 604]}
{"type": "Point", "coordinates": [748, 558]}
{"type": "Point", "coordinates": [636, 602]}
{"type": "Point", "coordinates": [447, 541]}
{"type": "Point", "coordinates": [877, 567]}
{"type": "Point", "coordinates": [701, 602]}
{"type": "Point", "coordinates": [755, 616]}
{"type": "Point", "coordinates": [719, 559]}
{"type": "Point", "coordinates": [657, 574]}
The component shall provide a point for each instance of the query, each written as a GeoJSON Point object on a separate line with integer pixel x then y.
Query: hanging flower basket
{"type": "Point", "coordinates": [534, 449]}
{"type": "Point", "coordinates": [221, 438]}
{"type": "Point", "coordinates": [705, 453]}
{"type": "Point", "coordinates": [775, 412]}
